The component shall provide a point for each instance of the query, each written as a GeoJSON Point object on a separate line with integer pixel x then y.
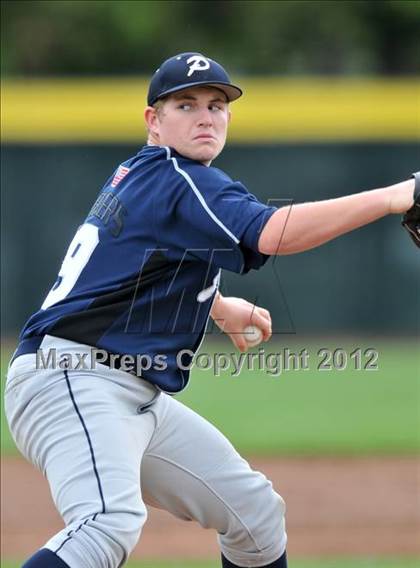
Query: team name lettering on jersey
{"type": "Point", "coordinates": [109, 208]}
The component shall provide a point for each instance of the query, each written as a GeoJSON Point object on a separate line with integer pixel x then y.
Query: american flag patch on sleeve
{"type": "Point", "coordinates": [121, 173]}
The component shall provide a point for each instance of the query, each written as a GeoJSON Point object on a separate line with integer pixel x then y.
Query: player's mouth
{"type": "Point", "coordinates": [204, 137]}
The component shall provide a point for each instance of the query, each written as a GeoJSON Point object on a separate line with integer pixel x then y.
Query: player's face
{"type": "Point", "coordinates": [193, 122]}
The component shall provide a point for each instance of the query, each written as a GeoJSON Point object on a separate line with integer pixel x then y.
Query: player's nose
{"type": "Point", "coordinates": [205, 117]}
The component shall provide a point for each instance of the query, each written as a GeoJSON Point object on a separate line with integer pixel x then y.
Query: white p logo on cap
{"type": "Point", "coordinates": [198, 63]}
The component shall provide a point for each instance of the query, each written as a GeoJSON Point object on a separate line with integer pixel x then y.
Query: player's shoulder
{"type": "Point", "coordinates": [149, 155]}
{"type": "Point", "coordinates": [201, 175]}
{"type": "Point", "coordinates": [139, 166]}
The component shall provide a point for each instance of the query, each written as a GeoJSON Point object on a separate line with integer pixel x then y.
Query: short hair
{"type": "Point", "coordinates": [158, 105]}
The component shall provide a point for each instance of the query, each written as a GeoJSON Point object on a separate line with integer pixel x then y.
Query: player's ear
{"type": "Point", "coordinates": [229, 115]}
{"type": "Point", "coordinates": [151, 119]}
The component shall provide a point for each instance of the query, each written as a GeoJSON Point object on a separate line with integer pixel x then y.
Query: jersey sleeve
{"type": "Point", "coordinates": [218, 220]}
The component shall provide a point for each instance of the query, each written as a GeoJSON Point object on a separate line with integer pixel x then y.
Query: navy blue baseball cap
{"type": "Point", "coordinates": [190, 70]}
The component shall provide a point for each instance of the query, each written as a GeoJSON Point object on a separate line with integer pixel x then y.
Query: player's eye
{"type": "Point", "coordinates": [215, 108]}
{"type": "Point", "coordinates": [185, 106]}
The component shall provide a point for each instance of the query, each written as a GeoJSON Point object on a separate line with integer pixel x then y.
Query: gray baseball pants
{"type": "Point", "coordinates": [109, 443]}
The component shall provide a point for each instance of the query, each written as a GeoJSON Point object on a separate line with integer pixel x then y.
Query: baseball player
{"type": "Point", "coordinates": [89, 394]}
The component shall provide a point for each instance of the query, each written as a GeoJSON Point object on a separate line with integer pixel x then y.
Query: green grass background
{"type": "Point", "coordinates": [310, 412]}
{"type": "Point", "coordinates": [307, 413]}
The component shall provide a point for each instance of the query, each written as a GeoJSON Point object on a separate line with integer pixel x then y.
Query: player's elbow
{"type": "Point", "coordinates": [274, 238]}
{"type": "Point", "coordinates": [264, 244]}
{"type": "Point", "coordinates": [273, 245]}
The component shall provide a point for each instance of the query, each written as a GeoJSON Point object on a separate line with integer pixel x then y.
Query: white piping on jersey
{"type": "Point", "coordinates": [201, 198]}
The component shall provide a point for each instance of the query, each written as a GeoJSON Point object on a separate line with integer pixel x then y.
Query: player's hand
{"type": "Point", "coordinates": [401, 196]}
{"type": "Point", "coordinates": [233, 315]}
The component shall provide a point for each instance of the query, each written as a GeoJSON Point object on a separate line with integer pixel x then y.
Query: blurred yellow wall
{"type": "Point", "coordinates": [272, 110]}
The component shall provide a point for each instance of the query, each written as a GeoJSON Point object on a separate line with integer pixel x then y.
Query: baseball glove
{"type": "Point", "coordinates": [411, 219]}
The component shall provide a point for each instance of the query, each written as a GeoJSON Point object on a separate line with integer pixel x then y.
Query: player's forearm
{"type": "Point", "coordinates": [301, 227]}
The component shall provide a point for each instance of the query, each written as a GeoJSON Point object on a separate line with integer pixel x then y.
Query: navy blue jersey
{"type": "Point", "coordinates": [142, 271]}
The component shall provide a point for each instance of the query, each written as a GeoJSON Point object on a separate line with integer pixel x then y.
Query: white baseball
{"type": "Point", "coordinates": [253, 335]}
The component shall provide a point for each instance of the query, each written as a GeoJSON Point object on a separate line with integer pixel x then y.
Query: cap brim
{"type": "Point", "coordinates": [231, 91]}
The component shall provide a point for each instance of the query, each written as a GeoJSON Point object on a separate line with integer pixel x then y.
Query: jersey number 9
{"type": "Point", "coordinates": [78, 254]}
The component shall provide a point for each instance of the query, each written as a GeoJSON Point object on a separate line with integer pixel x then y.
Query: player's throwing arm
{"type": "Point", "coordinates": [304, 226]}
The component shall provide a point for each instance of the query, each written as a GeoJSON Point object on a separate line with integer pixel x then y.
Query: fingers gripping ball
{"type": "Point", "coordinates": [411, 219]}
{"type": "Point", "coordinates": [253, 335]}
